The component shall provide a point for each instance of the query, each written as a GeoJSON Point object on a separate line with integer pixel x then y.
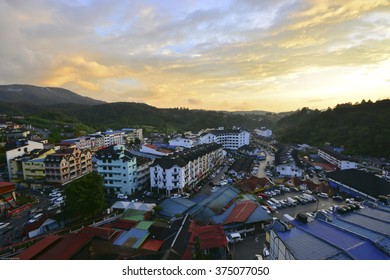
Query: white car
{"type": "Point", "coordinates": [121, 196]}
{"type": "Point", "coordinates": [3, 225]}
{"type": "Point", "coordinates": [176, 195]}
{"type": "Point", "coordinates": [55, 194]}
{"type": "Point", "coordinates": [323, 195]}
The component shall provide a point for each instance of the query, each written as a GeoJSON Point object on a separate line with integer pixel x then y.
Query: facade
{"type": "Point", "coordinates": [263, 132]}
{"type": "Point", "coordinates": [34, 169]}
{"type": "Point", "coordinates": [24, 148]}
{"type": "Point", "coordinates": [341, 161]}
{"type": "Point", "coordinates": [143, 172]}
{"type": "Point", "coordinates": [67, 165]}
{"type": "Point", "coordinates": [17, 165]}
{"type": "Point", "coordinates": [118, 168]}
{"type": "Point", "coordinates": [100, 140]}
{"type": "Point", "coordinates": [287, 162]}
{"type": "Point", "coordinates": [182, 142]}
{"type": "Point", "coordinates": [186, 168]}
{"type": "Point", "coordinates": [231, 139]}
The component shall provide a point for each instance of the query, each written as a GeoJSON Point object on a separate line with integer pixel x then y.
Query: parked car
{"type": "Point", "coordinates": [3, 225]}
{"type": "Point", "coordinates": [337, 198]}
{"type": "Point", "coordinates": [175, 195]}
{"type": "Point", "coordinates": [121, 196]}
{"type": "Point", "coordinates": [323, 195]}
{"type": "Point", "coordinates": [234, 237]}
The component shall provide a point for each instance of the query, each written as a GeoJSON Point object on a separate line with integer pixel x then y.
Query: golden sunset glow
{"type": "Point", "coordinates": [274, 55]}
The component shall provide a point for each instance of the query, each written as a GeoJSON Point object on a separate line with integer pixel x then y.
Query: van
{"type": "Point", "coordinates": [292, 201]}
{"type": "Point", "coordinates": [234, 237]}
{"type": "Point", "coordinates": [276, 202]}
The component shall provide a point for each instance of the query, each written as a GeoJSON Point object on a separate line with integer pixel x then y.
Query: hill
{"type": "Point", "coordinates": [42, 96]}
{"type": "Point", "coordinates": [363, 129]}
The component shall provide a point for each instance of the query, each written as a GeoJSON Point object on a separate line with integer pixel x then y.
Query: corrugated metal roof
{"type": "Point", "coordinates": [258, 215]}
{"type": "Point", "coordinates": [152, 245]}
{"type": "Point", "coordinates": [144, 225]}
{"type": "Point", "coordinates": [351, 244]}
{"type": "Point", "coordinates": [304, 246]}
{"type": "Point", "coordinates": [241, 212]}
{"type": "Point", "coordinates": [172, 206]}
{"type": "Point", "coordinates": [132, 238]}
{"type": "Point", "coordinates": [34, 250]}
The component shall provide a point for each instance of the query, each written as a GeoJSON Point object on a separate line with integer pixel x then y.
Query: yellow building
{"type": "Point", "coordinates": [34, 169]}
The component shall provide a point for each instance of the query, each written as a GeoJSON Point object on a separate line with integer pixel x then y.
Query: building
{"type": "Point", "coordinates": [118, 168]}
{"type": "Point", "coordinates": [263, 132]}
{"type": "Point", "coordinates": [182, 142]}
{"type": "Point", "coordinates": [18, 165]}
{"type": "Point", "coordinates": [143, 172]}
{"type": "Point", "coordinates": [287, 162]}
{"type": "Point", "coordinates": [359, 183]}
{"type": "Point", "coordinates": [100, 140]}
{"type": "Point", "coordinates": [154, 150]}
{"type": "Point", "coordinates": [67, 165]}
{"type": "Point", "coordinates": [362, 234]}
{"type": "Point", "coordinates": [23, 148]}
{"type": "Point", "coordinates": [231, 139]}
{"type": "Point", "coordinates": [7, 197]}
{"type": "Point", "coordinates": [133, 133]}
{"type": "Point", "coordinates": [341, 161]}
{"type": "Point", "coordinates": [185, 168]}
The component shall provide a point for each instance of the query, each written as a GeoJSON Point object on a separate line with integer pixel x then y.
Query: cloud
{"type": "Point", "coordinates": [245, 53]}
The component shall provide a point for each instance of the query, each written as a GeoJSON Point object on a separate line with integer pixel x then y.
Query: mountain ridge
{"type": "Point", "coordinates": [30, 94]}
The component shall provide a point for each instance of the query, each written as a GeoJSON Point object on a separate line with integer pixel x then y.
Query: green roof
{"type": "Point", "coordinates": [144, 224]}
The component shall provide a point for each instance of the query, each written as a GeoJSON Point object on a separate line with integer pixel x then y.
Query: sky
{"type": "Point", "coordinates": [273, 55]}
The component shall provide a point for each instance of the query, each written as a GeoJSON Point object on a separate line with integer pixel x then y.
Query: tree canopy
{"type": "Point", "coordinates": [85, 196]}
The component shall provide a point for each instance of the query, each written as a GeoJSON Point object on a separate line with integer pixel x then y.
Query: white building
{"type": "Point", "coordinates": [341, 161]}
{"type": "Point", "coordinates": [231, 139]}
{"type": "Point", "coordinates": [154, 150]}
{"type": "Point", "coordinates": [263, 132]}
{"type": "Point", "coordinates": [287, 162]}
{"type": "Point", "coordinates": [186, 168]}
{"type": "Point", "coordinates": [25, 147]}
{"type": "Point", "coordinates": [118, 168]}
{"type": "Point", "coordinates": [99, 140]}
{"type": "Point", "coordinates": [182, 142]}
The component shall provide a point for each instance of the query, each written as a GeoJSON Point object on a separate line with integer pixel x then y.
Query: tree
{"type": "Point", "coordinates": [85, 196]}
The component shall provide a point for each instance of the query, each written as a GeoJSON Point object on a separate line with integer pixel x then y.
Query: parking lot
{"type": "Point", "coordinates": [309, 207]}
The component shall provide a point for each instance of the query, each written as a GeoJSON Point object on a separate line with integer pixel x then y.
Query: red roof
{"type": "Point", "coordinates": [211, 236]}
{"type": "Point", "coordinates": [152, 245]}
{"type": "Point", "coordinates": [7, 187]}
{"type": "Point", "coordinates": [249, 185]}
{"type": "Point", "coordinates": [150, 146]}
{"type": "Point", "coordinates": [38, 247]}
{"type": "Point", "coordinates": [241, 212]}
{"type": "Point", "coordinates": [124, 224]}
{"type": "Point", "coordinates": [73, 243]}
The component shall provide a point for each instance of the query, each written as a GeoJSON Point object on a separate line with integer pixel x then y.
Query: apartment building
{"type": "Point", "coordinates": [287, 162]}
{"type": "Point", "coordinates": [231, 139]}
{"type": "Point", "coordinates": [22, 147]}
{"type": "Point", "coordinates": [67, 165]}
{"type": "Point", "coordinates": [182, 142]}
{"type": "Point", "coordinates": [185, 168]}
{"type": "Point", "coordinates": [100, 140]}
{"type": "Point", "coordinates": [341, 161]}
{"type": "Point", "coordinates": [118, 168]}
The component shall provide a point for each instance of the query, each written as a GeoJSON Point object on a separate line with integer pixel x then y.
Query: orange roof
{"type": "Point", "coordinates": [150, 146]}
{"type": "Point", "coordinates": [241, 212]}
{"type": "Point", "coordinates": [38, 247]}
{"type": "Point", "coordinates": [152, 245]}
{"type": "Point", "coordinates": [253, 182]}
